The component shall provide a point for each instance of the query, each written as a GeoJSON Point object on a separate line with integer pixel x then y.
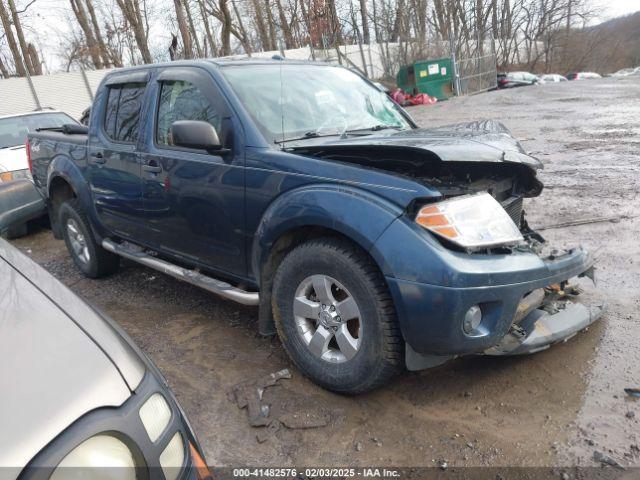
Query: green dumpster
{"type": "Point", "coordinates": [433, 77]}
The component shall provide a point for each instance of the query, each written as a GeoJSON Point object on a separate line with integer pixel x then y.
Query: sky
{"type": "Point", "coordinates": [615, 8]}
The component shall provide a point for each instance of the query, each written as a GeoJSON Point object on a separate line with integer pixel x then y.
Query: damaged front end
{"type": "Point", "coordinates": [547, 316]}
{"type": "Point", "coordinates": [484, 265]}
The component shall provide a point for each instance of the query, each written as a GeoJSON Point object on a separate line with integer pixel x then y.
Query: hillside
{"type": "Point", "coordinates": [611, 45]}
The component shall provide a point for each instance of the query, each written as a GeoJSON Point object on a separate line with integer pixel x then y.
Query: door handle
{"type": "Point", "coordinates": [152, 168]}
{"type": "Point", "coordinates": [97, 158]}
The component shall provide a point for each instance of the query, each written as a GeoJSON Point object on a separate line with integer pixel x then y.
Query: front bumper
{"type": "Point", "coordinates": [431, 316]}
{"type": "Point", "coordinates": [20, 201]}
{"type": "Point", "coordinates": [545, 329]}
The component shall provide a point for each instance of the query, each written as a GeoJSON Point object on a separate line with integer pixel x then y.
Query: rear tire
{"type": "Point", "coordinates": [92, 260]}
{"type": "Point", "coordinates": [335, 317]}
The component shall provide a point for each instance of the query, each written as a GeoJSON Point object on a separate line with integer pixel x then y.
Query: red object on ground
{"type": "Point", "coordinates": [404, 99]}
{"type": "Point", "coordinates": [422, 99]}
{"type": "Point", "coordinates": [398, 96]}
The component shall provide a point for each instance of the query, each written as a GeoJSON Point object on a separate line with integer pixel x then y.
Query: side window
{"type": "Point", "coordinates": [182, 101]}
{"type": "Point", "coordinates": [112, 111]}
{"type": "Point", "coordinates": [122, 116]}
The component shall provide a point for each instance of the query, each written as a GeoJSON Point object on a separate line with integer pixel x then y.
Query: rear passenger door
{"type": "Point", "coordinates": [194, 199]}
{"type": "Point", "coordinates": [113, 160]}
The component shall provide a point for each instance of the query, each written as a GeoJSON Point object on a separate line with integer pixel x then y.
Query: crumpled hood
{"type": "Point", "coordinates": [13, 158]}
{"type": "Point", "coordinates": [482, 141]}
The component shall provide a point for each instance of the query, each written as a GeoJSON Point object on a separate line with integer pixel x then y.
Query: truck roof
{"type": "Point", "coordinates": [219, 62]}
{"type": "Point", "coordinates": [222, 62]}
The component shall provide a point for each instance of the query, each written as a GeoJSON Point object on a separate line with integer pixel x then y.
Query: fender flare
{"type": "Point", "coordinates": [63, 167]}
{"type": "Point", "coordinates": [355, 213]}
{"type": "Point", "coordinates": [358, 214]}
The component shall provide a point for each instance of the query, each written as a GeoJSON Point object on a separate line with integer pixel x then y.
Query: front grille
{"type": "Point", "coordinates": [513, 206]}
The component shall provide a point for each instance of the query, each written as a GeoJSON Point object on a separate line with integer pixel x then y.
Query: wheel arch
{"type": "Point", "coordinates": [354, 215]}
{"type": "Point", "coordinates": [65, 180]}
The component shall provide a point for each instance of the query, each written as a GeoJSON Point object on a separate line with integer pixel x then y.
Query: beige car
{"type": "Point", "coordinates": [78, 396]}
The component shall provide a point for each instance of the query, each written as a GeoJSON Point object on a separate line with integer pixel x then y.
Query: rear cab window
{"type": "Point", "coordinates": [122, 113]}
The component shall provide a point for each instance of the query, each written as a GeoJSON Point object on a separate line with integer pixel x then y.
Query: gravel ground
{"type": "Point", "coordinates": [553, 408]}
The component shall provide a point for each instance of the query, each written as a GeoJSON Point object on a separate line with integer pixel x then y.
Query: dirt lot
{"type": "Point", "coordinates": [553, 408]}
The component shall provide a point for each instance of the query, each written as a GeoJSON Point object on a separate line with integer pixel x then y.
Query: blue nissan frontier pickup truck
{"type": "Point", "coordinates": [368, 244]}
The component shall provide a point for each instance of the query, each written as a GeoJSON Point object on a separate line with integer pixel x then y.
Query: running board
{"type": "Point", "coordinates": [212, 285]}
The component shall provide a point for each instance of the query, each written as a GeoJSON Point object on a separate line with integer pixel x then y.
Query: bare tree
{"type": "Point", "coordinates": [241, 31]}
{"type": "Point", "coordinates": [32, 62]}
{"type": "Point", "coordinates": [192, 29]}
{"type": "Point", "coordinates": [365, 21]}
{"type": "Point", "coordinates": [213, 47]}
{"type": "Point", "coordinates": [3, 69]}
{"type": "Point", "coordinates": [187, 51]}
{"type": "Point", "coordinates": [133, 15]}
{"type": "Point", "coordinates": [540, 35]}
{"type": "Point", "coordinates": [11, 41]}
{"type": "Point", "coordinates": [104, 51]}
{"type": "Point", "coordinates": [284, 26]}
{"type": "Point", "coordinates": [220, 10]}
{"type": "Point", "coordinates": [80, 13]}
{"type": "Point", "coordinates": [271, 24]}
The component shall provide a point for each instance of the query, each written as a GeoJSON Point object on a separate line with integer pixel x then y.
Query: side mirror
{"type": "Point", "coordinates": [195, 134]}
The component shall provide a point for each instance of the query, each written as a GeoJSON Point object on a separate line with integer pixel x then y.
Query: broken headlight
{"type": "Point", "coordinates": [470, 221]}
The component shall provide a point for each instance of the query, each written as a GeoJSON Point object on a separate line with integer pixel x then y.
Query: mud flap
{"type": "Point", "coordinates": [548, 329]}
{"type": "Point", "coordinates": [415, 361]}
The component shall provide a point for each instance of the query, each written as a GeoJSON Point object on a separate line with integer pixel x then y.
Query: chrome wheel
{"type": "Point", "coordinates": [327, 318]}
{"type": "Point", "coordinates": [78, 241]}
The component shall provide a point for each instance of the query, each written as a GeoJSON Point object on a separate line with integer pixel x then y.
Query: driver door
{"type": "Point", "coordinates": [194, 200]}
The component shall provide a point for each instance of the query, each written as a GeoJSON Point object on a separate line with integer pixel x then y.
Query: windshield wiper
{"type": "Point", "coordinates": [313, 135]}
{"type": "Point", "coordinates": [375, 128]}
{"type": "Point", "coordinates": [304, 137]}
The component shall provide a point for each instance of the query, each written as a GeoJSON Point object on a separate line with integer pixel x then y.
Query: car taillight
{"type": "Point", "coordinates": [28, 149]}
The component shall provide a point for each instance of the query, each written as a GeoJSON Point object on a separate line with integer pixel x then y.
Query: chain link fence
{"type": "Point", "coordinates": [475, 74]}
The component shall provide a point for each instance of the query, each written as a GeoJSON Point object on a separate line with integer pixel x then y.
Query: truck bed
{"type": "Point", "coordinates": [47, 145]}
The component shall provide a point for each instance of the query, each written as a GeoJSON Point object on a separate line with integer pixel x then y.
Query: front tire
{"type": "Point", "coordinates": [92, 260]}
{"type": "Point", "coordinates": [335, 317]}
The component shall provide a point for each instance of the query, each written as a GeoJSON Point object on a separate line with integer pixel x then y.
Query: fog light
{"type": "Point", "coordinates": [155, 415]}
{"type": "Point", "coordinates": [172, 457]}
{"type": "Point", "coordinates": [472, 319]}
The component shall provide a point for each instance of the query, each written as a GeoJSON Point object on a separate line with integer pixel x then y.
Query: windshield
{"type": "Point", "coordinates": [297, 102]}
{"type": "Point", "coordinates": [13, 130]}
